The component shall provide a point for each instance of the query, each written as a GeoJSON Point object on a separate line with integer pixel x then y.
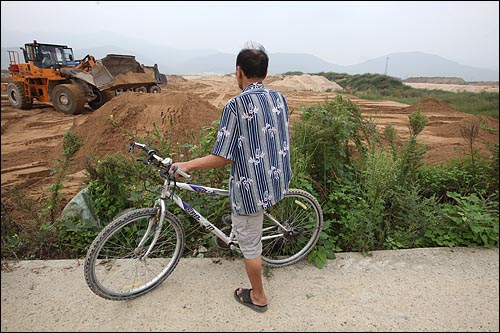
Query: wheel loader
{"type": "Point", "coordinates": [50, 74]}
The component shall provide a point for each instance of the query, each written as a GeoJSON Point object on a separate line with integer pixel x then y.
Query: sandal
{"type": "Point", "coordinates": [247, 300]}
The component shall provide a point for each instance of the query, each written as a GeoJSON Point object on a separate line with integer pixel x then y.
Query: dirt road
{"type": "Point", "coordinates": [434, 289]}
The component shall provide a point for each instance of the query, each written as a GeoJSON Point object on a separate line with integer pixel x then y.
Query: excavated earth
{"type": "Point", "coordinates": [32, 139]}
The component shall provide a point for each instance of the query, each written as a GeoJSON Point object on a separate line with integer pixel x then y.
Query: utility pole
{"type": "Point", "coordinates": [386, 62]}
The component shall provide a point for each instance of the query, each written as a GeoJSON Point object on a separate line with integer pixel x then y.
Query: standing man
{"type": "Point", "coordinates": [254, 137]}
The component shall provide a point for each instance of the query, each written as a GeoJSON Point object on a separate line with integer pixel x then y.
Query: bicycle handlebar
{"type": "Point", "coordinates": [166, 162]}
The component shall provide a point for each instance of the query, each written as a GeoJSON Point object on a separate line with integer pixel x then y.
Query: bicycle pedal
{"type": "Point", "coordinates": [219, 242]}
{"type": "Point", "coordinates": [226, 219]}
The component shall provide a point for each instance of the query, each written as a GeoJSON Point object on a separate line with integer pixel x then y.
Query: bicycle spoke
{"type": "Point", "coordinates": [116, 267]}
{"type": "Point", "coordinates": [292, 230]}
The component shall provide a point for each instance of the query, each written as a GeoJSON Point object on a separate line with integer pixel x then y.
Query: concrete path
{"type": "Point", "coordinates": [434, 289]}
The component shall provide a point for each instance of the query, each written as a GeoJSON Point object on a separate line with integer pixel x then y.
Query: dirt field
{"type": "Point", "coordinates": [32, 139]}
{"type": "Point", "coordinates": [490, 87]}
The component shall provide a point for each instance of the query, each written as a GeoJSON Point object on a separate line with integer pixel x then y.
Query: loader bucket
{"type": "Point", "coordinates": [121, 64]}
{"type": "Point", "coordinates": [101, 74]}
{"type": "Point", "coordinates": [120, 71]}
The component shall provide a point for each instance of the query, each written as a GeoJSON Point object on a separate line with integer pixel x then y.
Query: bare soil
{"type": "Point", "coordinates": [32, 139]}
{"type": "Point", "coordinates": [475, 88]}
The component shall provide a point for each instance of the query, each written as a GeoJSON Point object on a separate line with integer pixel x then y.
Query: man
{"type": "Point", "coordinates": [254, 137]}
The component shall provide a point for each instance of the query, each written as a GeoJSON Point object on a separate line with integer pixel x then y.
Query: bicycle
{"type": "Point", "coordinates": [137, 251]}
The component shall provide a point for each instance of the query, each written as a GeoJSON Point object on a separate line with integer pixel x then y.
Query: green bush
{"type": "Point", "coordinates": [328, 137]}
{"type": "Point", "coordinates": [470, 221]}
{"type": "Point", "coordinates": [117, 182]}
{"type": "Point", "coordinates": [459, 175]}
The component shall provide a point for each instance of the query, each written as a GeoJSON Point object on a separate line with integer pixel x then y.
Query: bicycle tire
{"type": "Point", "coordinates": [113, 268]}
{"type": "Point", "coordinates": [301, 214]}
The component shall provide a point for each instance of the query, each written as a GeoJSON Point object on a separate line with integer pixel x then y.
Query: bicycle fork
{"type": "Point", "coordinates": [152, 223]}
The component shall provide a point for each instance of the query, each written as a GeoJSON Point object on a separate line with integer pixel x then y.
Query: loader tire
{"type": "Point", "coordinates": [17, 97]}
{"type": "Point", "coordinates": [155, 89]}
{"type": "Point", "coordinates": [68, 98]}
{"type": "Point", "coordinates": [101, 99]}
{"type": "Point", "coordinates": [141, 89]}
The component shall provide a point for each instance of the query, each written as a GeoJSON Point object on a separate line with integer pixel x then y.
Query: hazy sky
{"type": "Point", "coordinates": [341, 32]}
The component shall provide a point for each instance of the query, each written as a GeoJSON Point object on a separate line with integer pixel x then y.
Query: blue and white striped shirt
{"type": "Point", "coordinates": [254, 133]}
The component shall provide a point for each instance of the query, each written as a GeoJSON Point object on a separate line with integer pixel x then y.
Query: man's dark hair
{"type": "Point", "coordinates": [253, 61]}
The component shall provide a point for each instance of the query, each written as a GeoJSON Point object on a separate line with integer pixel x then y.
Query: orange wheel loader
{"type": "Point", "coordinates": [50, 74]}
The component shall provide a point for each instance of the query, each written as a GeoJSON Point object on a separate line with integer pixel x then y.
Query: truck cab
{"type": "Point", "coordinates": [49, 55]}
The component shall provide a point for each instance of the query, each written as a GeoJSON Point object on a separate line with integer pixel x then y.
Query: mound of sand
{"type": "Point", "coordinates": [304, 82]}
{"type": "Point", "coordinates": [445, 125]}
{"type": "Point", "coordinates": [108, 129]}
{"type": "Point", "coordinates": [446, 121]}
{"type": "Point", "coordinates": [454, 87]}
{"type": "Point", "coordinates": [440, 80]}
{"type": "Point", "coordinates": [175, 78]}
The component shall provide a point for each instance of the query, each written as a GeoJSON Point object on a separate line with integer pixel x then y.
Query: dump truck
{"type": "Point", "coordinates": [50, 74]}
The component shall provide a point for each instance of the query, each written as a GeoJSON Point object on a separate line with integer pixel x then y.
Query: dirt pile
{"type": "Point", "coordinates": [106, 130]}
{"type": "Point", "coordinates": [175, 79]}
{"type": "Point", "coordinates": [32, 139]}
{"type": "Point", "coordinates": [129, 77]}
{"type": "Point", "coordinates": [441, 80]}
{"type": "Point", "coordinates": [444, 128]}
{"type": "Point", "coordinates": [303, 82]}
{"type": "Point", "coordinates": [456, 88]}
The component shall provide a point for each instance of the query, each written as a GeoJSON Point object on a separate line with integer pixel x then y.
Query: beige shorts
{"type": "Point", "coordinates": [248, 231]}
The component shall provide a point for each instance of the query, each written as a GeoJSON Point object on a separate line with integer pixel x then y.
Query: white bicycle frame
{"type": "Point", "coordinates": [167, 193]}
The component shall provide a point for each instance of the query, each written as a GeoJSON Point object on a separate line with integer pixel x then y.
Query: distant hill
{"type": "Point", "coordinates": [192, 62]}
{"type": "Point", "coordinates": [400, 65]}
{"type": "Point", "coordinates": [411, 64]}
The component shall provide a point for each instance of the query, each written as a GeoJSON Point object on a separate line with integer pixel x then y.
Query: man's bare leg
{"type": "Point", "coordinates": [254, 273]}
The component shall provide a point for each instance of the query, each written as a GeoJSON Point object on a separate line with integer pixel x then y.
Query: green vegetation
{"type": "Point", "coordinates": [375, 195]}
{"type": "Point", "coordinates": [377, 86]}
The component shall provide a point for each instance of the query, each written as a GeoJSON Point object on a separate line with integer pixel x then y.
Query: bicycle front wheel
{"type": "Point", "coordinates": [124, 261]}
{"type": "Point", "coordinates": [291, 228]}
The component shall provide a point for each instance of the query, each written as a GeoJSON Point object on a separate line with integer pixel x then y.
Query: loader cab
{"type": "Point", "coordinates": [49, 55]}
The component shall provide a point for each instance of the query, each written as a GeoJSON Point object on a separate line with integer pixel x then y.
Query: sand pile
{"type": "Point", "coordinates": [446, 123]}
{"type": "Point", "coordinates": [440, 80]}
{"type": "Point", "coordinates": [174, 114]}
{"type": "Point", "coordinates": [280, 82]}
{"type": "Point", "coordinates": [304, 82]}
{"type": "Point", "coordinates": [130, 77]}
{"type": "Point", "coordinates": [175, 78]}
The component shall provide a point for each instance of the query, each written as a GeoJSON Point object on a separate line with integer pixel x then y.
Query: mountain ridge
{"type": "Point", "coordinates": [204, 61]}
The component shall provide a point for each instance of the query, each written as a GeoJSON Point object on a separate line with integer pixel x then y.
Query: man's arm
{"type": "Point", "coordinates": [203, 163]}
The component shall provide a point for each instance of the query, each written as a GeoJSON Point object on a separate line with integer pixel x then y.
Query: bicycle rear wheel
{"type": "Point", "coordinates": [291, 228]}
{"type": "Point", "coordinates": [117, 268]}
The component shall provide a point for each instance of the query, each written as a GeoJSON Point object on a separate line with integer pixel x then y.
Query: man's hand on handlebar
{"type": "Point", "coordinates": [180, 165]}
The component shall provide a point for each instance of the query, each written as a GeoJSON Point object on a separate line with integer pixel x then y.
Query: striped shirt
{"type": "Point", "coordinates": [254, 133]}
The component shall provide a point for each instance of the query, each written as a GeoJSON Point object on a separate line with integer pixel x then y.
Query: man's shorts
{"type": "Point", "coordinates": [248, 231]}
